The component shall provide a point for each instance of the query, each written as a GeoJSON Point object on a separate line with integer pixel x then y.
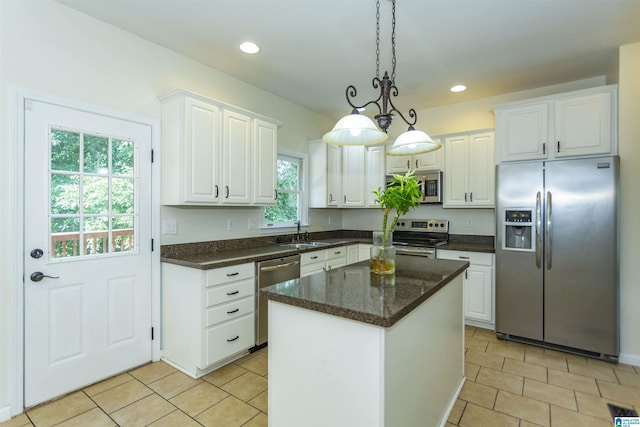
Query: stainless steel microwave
{"type": "Point", "coordinates": [430, 183]}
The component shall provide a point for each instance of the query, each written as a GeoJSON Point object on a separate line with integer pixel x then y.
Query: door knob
{"type": "Point", "coordinates": [37, 253]}
{"type": "Point", "coordinates": [37, 276]}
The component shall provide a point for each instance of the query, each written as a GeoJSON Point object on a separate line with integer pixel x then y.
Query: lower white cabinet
{"type": "Point", "coordinates": [207, 316]}
{"type": "Point", "coordinates": [478, 286]}
{"type": "Point", "coordinates": [322, 260]}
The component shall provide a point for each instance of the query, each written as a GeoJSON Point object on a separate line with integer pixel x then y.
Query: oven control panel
{"type": "Point", "coordinates": [423, 225]}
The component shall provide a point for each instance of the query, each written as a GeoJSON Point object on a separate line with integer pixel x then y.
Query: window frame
{"type": "Point", "coordinates": [303, 213]}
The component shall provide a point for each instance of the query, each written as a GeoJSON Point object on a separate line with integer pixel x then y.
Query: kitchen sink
{"type": "Point", "coordinates": [300, 245]}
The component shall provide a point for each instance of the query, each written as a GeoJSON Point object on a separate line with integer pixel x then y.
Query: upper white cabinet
{"type": "Point", "coordinates": [213, 153]}
{"type": "Point", "coordinates": [580, 123]}
{"type": "Point", "coordinates": [469, 173]}
{"type": "Point", "coordinates": [344, 176]}
{"type": "Point", "coordinates": [419, 162]}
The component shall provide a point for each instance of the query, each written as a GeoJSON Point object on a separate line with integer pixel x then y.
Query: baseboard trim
{"type": "Point", "coordinates": [629, 359]}
{"type": "Point", "coordinates": [5, 413]}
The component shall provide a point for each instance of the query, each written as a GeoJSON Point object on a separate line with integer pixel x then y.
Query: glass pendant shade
{"type": "Point", "coordinates": [355, 129]}
{"type": "Point", "coordinates": [413, 142]}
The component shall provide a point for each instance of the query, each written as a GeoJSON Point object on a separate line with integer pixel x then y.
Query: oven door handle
{"type": "Point", "coordinates": [415, 252]}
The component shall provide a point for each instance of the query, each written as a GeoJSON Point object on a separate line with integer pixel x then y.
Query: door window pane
{"type": "Point", "coordinates": [122, 157]}
{"type": "Point", "coordinates": [65, 150]}
{"type": "Point", "coordinates": [65, 194]}
{"type": "Point", "coordinates": [96, 155]}
{"type": "Point", "coordinates": [95, 195]}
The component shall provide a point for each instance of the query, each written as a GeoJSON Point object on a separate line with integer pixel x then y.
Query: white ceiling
{"type": "Point", "coordinates": [313, 49]}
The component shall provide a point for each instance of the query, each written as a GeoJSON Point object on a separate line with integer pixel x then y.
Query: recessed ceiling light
{"type": "Point", "coordinates": [249, 47]}
{"type": "Point", "coordinates": [458, 88]}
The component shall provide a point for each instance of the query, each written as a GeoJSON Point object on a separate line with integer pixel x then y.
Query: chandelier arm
{"type": "Point", "coordinates": [412, 114]}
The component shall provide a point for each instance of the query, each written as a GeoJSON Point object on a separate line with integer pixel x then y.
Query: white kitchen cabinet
{"type": "Point", "coordinates": [574, 124]}
{"type": "Point", "coordinates": [265, 157]}
{"type": "Point", "coordinates": [322, 260]}
{"type": "Point", "coordinates": [469, 175]}
{"type": "Point", "coordinates": [214, 153]}
{"type": "Point", "coordinates": [357, 253]}
{"type": "Point", "coordinates": [478, 286]}
{"type": "Point", "coordinates": [344, 176]}
{"type": "Point", "coordinates": [336, 257]}
{"type": "Point", "coordinates": [420, 162]}
{"type": "Point", "coordinates": [207, 316]}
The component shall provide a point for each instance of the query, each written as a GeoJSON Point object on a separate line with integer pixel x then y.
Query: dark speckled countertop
{"type": "Point", "coordinates": [222, 253]}
{"type": "Point", "coordinates": [353, 293]}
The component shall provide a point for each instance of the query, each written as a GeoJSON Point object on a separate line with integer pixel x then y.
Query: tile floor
{"type": "Point", "coordinates": [508, 384]}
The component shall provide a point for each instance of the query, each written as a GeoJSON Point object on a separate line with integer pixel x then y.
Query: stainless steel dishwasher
{"type": "Point", "coordinates": [269, 273]}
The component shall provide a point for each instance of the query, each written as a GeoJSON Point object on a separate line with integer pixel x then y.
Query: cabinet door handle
{"type": "Point", "coordinates": [544, 148]}
{"type": "Point", "coordinates": [330, 197]}
{"type": "Point", "coordinates": [233, 311]}
{"type": "Point", "coordinates": [226, 189]}
{"type": "Point", "coordinates": [233, 339]}
{"type": "Point", "coordinates": [416, 163]}
{"type": "Point", "coordinates": [233, 274]}
{"type": "Point", "coordinates": [558, 147]}
{"type": "Point", "coordinates": [408, 164]}
{"type": "Point", "coordinates": [217, 190]}
{"type": "Point", "coordinates": [314, 257]}
{"type": "Point", "coordinates": [345, 199]}
{"type": "Point", "coordinates": [465, 197]}
{"type": "Point", "coordinates": [466, 274]}
{"type": "Point", "coordinates": [275, 192]}
{"type": "Point", "coordinates": [471, 197]}
{"type": "Point", "coordinates": [337, 252]}
{"type": "Point", "coordinates": [233, 293]}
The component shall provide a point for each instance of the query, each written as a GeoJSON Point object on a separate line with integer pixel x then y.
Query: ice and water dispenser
{"type": "Point", "coordinates": [518, 230]}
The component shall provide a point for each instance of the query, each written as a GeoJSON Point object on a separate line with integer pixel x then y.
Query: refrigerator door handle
{"type": "Point", "coordinates": [547, 234]}
{"type": "Point", "coordinates": [538, 228]}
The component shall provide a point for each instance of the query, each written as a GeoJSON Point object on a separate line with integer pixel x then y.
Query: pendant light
{"type": "Point", "coordinates": [357, 129]}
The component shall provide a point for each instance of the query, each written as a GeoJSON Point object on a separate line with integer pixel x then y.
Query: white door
{"type": "Point", "coordinates": [87, 261]}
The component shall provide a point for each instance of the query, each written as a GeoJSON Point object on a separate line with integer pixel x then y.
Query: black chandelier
{"type": "Point", "coordinates": [357, 129]}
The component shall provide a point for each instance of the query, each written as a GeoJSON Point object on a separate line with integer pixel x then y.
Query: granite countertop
{"type": "Point", "coordinates": [352, 292]}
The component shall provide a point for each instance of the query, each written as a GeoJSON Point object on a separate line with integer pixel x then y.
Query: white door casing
{"type": "Point", "coordinates": [95, 320]}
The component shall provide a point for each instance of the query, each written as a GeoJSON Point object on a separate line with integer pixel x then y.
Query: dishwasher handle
{"type": "Point", "coordinates": [279, 266]}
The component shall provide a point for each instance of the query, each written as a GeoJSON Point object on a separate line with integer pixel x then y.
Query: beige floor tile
{"type": "Point", "coordinates": [260, 420]}
{"type": "Point", "coordinates": [595, 371]}
{"type": "Point", "coordinates": [246, 386]}
{"type": "Point", "coordinates": [628, 379]}
{"type": "Point", "coordinates": [565, 417]}
{"type": "Point", "coordinates": [224, 375]}
{"type": "Point", "coordinates": [595, 406]}
{"type": "Point", "coordinates": [62, 409]}
{"type": "Point", "coordinates": [573, 382]}
{"type": "Point", "coordinates": [105, 385]}
{"type": "Point", "coordinates": [478, 394]}
{"type": "Point", "coordinates": [173, 384]}
{"type": "Point", "coordinates": [456, 411]}
{"type": "Point", "coordinates": [621, 367]}
{"type": "Point", "coordinates": [261, 402]}
{"type": "Point", "coordinates": [143, 412]}
{"type": "Point", "coordinates": [257, 365]}
{"type": "Point", "coordinates": [492, 361]}
{"type": "Point", "coordinates": [522, 407]}
{"type": "Point", "coordinates": [629, 396]}
{"type": "Point", "coordinates": [230, 412]}
{"type": "Point", "coordinates": [485, 334]}
{"type": "Point", "coordinates": [504, 349]}
{"type": "Point", "coordinates": [469, 330]}
{"type": "Point", "coordinates": [549, 360]}
{"type": "Point", "coordinates": [500, 380]}
{"type": "Point", "coordinates": [525, 423]}
{"type": "Point", "coordinates": [475, 344]}
{"type": "Point", "coordinates": [18, 421]}
{"type": "Point", "coordinates": [121, 396]}
{"type": "Point", "coordinates": [176, 418]}
{"type": "Point", "coordinates": [548, 393]}
{"type": "Point", "coordinates": [199, 398]}
{"type": "Point", "coordinates": [524, 369]}
{"type": "Point", "coordinates": [471, 370]}
{"type": "Point", "coordinates": [152, 372]}
{"type": "Point", "coordinates": [94, 418]}
{"type": "Point", "coordinates": [477, 416]}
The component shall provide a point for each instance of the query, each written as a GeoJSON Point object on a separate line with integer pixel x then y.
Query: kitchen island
{"type": "Point", "coordinates": [348, 348]}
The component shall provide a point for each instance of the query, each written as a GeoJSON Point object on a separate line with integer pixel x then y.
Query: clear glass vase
{"type": "Point", "coordinates": [382, 258]}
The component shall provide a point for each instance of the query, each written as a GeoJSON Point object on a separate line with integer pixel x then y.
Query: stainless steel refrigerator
{"type": "Point", "coordinates": [556, 254]}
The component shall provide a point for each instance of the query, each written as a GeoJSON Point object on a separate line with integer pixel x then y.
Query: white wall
{"type": "Point", "coordinates": [50, 49]}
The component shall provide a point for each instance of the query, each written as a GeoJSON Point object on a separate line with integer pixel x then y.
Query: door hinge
{"type": "Point", "coordinates": [152, 156]}
{"type": "Point", "coordinates": [152, 333]}
{"type": "Point", "coordinates": [152, 245]}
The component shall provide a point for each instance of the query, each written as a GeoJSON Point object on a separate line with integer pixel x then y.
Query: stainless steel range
{"type": "Point", "coordinates": [420, 237]}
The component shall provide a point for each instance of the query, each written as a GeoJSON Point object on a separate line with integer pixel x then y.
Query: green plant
{"type": "Point", "coordinates": [401, 194]}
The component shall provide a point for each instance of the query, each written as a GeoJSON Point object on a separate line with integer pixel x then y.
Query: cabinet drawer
{"type": "Point", "coordinates": [309, 269]}
{"type": "Point", "coordinates": [340, 252]}
{"type": "Point", "coordinates": [311, 257]}
{"type": "Point", "coordinates": [230, 292]}
{"type": "Point", "coordinates": [229, 311]}
{"type": "Point", "coordinates": [479, 258]}
{"type": "Point", "coordinates": [227, 339]}
{"type": "Point", "coordinates": [222, 275]}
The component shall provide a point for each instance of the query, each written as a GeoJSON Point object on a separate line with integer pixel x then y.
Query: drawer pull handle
{"type": "Point", "coordinates": [337, 252]}
{"type": "Point", "coordinates": [233, 339]}
{"type": "Point", "coordinates": [233, 293]}
{"type": "Point", "coordinates": [463, 257]}
{"type": "Point", "coordinates": [314, 257]}
{"type": "Point", "coordinates": [233, 311]}
{"type": "Point", "coordinates": [232, 274]}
